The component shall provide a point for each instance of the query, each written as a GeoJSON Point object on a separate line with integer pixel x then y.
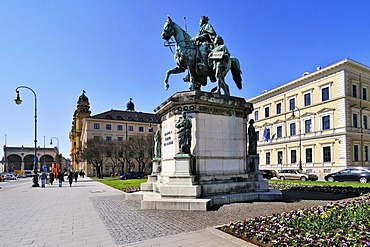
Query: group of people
{"type": "Point", "coordinates": [60, 176]}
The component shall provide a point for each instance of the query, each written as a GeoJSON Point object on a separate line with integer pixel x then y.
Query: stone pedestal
{"type": "Point", "coordinates": [218, 166]}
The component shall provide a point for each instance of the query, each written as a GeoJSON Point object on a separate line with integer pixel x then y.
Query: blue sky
{"type": "Point", "coordinates": [113, 50]}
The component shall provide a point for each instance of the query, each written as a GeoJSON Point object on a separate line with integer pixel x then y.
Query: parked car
{"type": "Point", "coordinates": [132, 175]}
{"type": "Point", "coordinates": [28, 173]}
{"type": "Point", "coordinates": [296, 174]}
{"type": "Point", "coordinates": [10, 176]}
{"type": "Point", "coordinates": [268, 174]}
{"type": "Point", "coordinates": [21, 175]}
{"type": "Point", "coordinates": [361, 175]}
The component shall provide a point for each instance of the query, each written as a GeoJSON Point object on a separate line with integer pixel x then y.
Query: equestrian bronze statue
{"type": "Point", "coordinates": [203, 57]}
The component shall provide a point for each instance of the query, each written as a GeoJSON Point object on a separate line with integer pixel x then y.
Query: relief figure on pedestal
{"type": "Point", "coordinates": [157, 142]}
{"type": "Point", "coordinates": [252, 139]}
{"type": "Point", "coordinates": [183, 126]}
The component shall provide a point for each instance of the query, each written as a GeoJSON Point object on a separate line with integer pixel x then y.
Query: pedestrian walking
{"type": "Point", "coordinates": [43, 178]}
{"type": "Point", "coordinates": [60, 178]}
{"type": "Point", "coordinates": [51, 177]}
{"type": "Point", "coordinates": [70, 178]}
{"type": "Point", "coordinates": [75, 176]}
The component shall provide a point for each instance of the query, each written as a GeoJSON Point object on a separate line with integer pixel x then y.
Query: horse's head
{"type": "Point", "coordinates": [168, 29]}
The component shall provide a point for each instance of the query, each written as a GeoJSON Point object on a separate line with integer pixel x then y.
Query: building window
{"type": "Point", "coordinates": [119, 127]}
{"type": "Point", "coordinates": [291, 104]}
{"type": "Point", "coordinates": [120, 138]}
{"type": "Point", "coordinates": [307, 99]}
{"type": "Point", "coordinates": [279, 131]}
{"type": "Point", "coordinates": [258, 135]}
{"type": "Point", "coordinates": [278, 108]}
{"type": "Point", "coordinates": [280, 157]}
{"type": "Point", "coordinates": [97, 137]}
{"type": "Point", "coordinates": [354, 90]}
{"type": "Point", "coordinates": [292, 129]}
{"type": "Point", "coordinates": [325, 122]}
{"type": "Point", "coordinates": [354, 120]}
{"type": "Point", "coordinates": [255, 115]}
{"type": "Point", "coordinates": [308, 126]}
{"type": "Point", "coordinates": [326, 154]}
{"type": "Point", "coordinates": [308, 155]}
{"type": "Point", "coordinates": [108, 138]}
{"type": "Point", "coordinates": [150, 130]}
{"type": "Point", "coordinates": [355, 153]}
{"type": "Point", "coordinates": [267, 112]}
{"type": "Point", "coordinates": [268, 158]}
{"type": "Point", "coordinates": [141, 129]}
{"type": "Point", "coordinates": [130, 128]}
{"type": "Point", "coordinates": [108, 126]}
{"type": "Point", "coordinates": [366, 153]}
{"type": "Point", "coordinates": [293, 156]}
{"type": "Point", "coordinates": [365, 122]}
{"type": "Point", "coordinates": [325, 94]}
{"type": "Point", "coordinates": [364, 93]}
{"type": "Point", "coordinates": [96, 126]}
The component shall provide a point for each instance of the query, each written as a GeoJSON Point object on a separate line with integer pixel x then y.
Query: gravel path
{"type": "Point", "coordinates": [127, 223]}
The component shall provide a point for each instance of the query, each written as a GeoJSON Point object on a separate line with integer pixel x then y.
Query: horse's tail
{"type": "Point", "coordinates": [236, 72]}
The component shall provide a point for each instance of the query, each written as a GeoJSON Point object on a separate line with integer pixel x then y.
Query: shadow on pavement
{"type": "Point", "coordinates": [298, 195]}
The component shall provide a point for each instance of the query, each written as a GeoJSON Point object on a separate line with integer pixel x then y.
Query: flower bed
{"type": "Point", "coordinates": [130, 189]}
{"type": "Point", "coordinates": [320, 188]}
{"type": "Point", "coordinates": [344, 223]}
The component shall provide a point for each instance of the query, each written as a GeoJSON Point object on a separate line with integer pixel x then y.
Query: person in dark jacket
{"type": "Point", "coordinates": [60, 178]}
{"type": "Point", "coordinates": [75, 176]}
{"type": "Point", "coordinates": [51, 177]}
{"type": "Point", "coordinates": [70, 178]}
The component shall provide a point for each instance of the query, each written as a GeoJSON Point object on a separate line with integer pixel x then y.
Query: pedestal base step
{"type": "Point", "coordinates": [206, 203]}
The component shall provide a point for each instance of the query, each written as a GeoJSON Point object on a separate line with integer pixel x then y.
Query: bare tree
{"type": "Point", "coordinates": [94, 153]}
{"type": "Point", "coordinates": [142, 149]}
{"type": "Point", "coordinates": [119, 153]}
{"type": "Point", "coordinates": [124, 154]}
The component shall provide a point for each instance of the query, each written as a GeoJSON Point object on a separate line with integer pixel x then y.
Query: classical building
{"type": "Point", "coordinates": [82, 112]}
{"type": "Point", "coordinates": [319, 122]}
{"type": "Point", "coordinates": [110, 125]}
{"type": "Point", "coordinates": [21, 158]}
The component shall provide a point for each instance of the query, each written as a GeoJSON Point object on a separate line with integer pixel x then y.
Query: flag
{"type": "Point", "coordinates": [273, 136]}
{"type": "Point", "coordinates": [266, 134]}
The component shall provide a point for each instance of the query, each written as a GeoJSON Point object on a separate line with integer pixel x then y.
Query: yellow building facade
{"type": "Point", "coordinates": [319, 122]}
{"type": "Point", "coordinates": [82, 112]}
{"type": "Point", "coordinates": [110, 125]}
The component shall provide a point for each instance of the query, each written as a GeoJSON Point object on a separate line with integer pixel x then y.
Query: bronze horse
{"type": "Point", "coordinates": [186, 59]}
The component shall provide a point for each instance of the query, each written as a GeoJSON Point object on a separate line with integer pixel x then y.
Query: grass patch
{"type": "Point", "coordinates": [117, 183]}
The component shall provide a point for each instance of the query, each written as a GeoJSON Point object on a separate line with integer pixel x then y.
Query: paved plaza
{"type": "Point", "coordinates": [92, 214]}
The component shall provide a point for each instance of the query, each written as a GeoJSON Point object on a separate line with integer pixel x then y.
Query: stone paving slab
{"type": "Point", "coordinates": [90, 214]}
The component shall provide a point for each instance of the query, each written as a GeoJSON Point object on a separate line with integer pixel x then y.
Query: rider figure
{"type": "Point", "coordinates": [205, 39]}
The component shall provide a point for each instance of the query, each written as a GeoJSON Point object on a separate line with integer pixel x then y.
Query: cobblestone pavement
{"type": "Point", "coordinates": [91, 214]}
{"type": "Point", "coordinates": [127, 223]}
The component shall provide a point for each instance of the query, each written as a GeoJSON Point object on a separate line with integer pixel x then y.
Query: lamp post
{"type": "Point", "coordinates": [18, 101]}
{"type": "Point", "coordinates": [51, 142]}
{"type": "Point", "coordinates": [57, 156]}
{"type": "Point", "coordinates": [300, 136]}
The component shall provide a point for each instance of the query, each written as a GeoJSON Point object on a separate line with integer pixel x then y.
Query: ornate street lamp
{"type": "Point", "coordinates": [18, 101]}
{"type": "Point", "coordinates": [300, 136]}
{"type": "Point", "coordinates": [58, 166]}
{"type": "Point", "coordinates": [51, 142]}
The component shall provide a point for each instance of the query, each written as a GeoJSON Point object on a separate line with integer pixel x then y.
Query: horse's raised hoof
{"type": "Point", "coordinates": [166, 86]}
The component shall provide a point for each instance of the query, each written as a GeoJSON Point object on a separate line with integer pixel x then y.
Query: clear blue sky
{"type": "Point", "coordinates": [113, 50]}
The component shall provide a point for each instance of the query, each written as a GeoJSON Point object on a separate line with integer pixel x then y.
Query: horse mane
{"type": "Point", "coordinates": [186, 35]}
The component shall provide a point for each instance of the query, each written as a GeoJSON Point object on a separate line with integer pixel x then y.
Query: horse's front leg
{"type": "Point", "coordinates": [175, 70]}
